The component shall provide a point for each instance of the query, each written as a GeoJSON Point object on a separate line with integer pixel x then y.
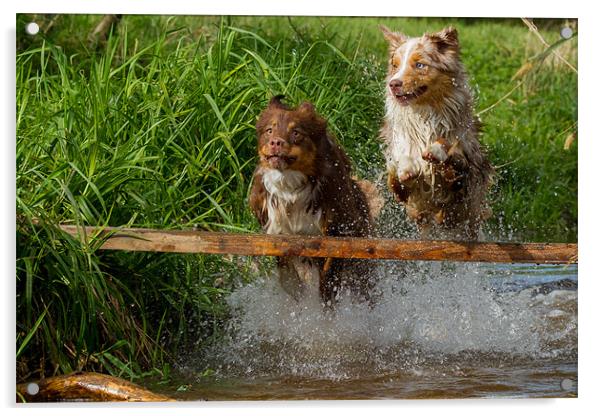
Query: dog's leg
{"type": "Point", "coordinates": [258, 199]}
{"type": "Point", "coordinates": [408, 169]}
{"type": "Point", "coordinates": [289, 277]}
{"type": "Point", "coordinates": [361, 279]}
{"type": "Point", "coordinates": [449, 162]}
{"type": "Point", "coordinates": [402, 177]}
{"type": "Point", "coordinates": [401, 192]}
{"type": "Point", "coordinates": [330, 280]}
{"type": "Point", "coordinates": [460, 214]}
{"type": "Point", "coordinates": [437, 152]}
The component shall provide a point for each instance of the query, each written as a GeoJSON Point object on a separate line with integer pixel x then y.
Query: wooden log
{"type": "Point", "coordinates": [139, 239]}
{"type": "Point", "coordinates": [91, 387]}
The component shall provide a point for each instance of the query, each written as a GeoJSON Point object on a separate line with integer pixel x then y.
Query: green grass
{"type": "Point", "coordinates": [155, 128]}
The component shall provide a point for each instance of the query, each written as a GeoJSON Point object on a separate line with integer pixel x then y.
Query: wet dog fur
{"type": "Point", "coordinates": [303, 185]}
{"type": "Point", "coordinates": [435, 163]}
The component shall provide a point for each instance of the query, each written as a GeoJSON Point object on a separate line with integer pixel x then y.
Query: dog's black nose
{"type": "Point", "coordinates": [395, 83]}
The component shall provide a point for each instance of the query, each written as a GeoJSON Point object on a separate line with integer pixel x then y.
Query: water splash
{"type": "Point", "coordinates": [428, 317]}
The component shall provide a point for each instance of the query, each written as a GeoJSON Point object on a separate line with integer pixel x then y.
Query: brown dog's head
{"type": "Point", "coordinates": [289, 138]}
{"type": "Point", "coordinates": [422, 70]}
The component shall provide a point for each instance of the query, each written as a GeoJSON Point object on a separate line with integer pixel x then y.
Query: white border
{"type": "Point", "coordinates": [590, 161]}
{"type": "Point", "coordinates": [450, 8]}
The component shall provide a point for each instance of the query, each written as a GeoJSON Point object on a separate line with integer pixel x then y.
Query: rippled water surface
{"type": "Point", "coordinates": [435, 331]}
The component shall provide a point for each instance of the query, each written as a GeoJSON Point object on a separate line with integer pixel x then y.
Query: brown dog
{"type": "Point", "coordinates": [435, 163]}
{"type": "Point", "coordinates": [303, 185]}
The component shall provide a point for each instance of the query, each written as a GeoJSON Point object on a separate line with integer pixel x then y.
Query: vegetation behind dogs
{"type": "Point", "coordinates": [154, 127]}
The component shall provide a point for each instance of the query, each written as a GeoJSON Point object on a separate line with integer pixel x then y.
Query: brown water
{"type": "Point", "coordinates": [519, 381]}
{"type": "Point", "coordinates": [437, 331]}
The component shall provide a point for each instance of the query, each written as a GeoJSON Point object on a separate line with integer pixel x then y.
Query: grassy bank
{"type": "Point", "coordinates": [155, 128]}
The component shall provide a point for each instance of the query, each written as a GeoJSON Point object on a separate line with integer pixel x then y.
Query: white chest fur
{"type": "Point", "coordinates": [412, 132]}
{"type": "Point", "coordinates": [415, 128]}
{"type": "Point", "coordinates": [289, 203]}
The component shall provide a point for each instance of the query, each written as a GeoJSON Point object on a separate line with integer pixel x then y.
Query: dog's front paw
{"type": "Point", "coordinates": [436, 152]}
{"type": "Point", "coordinates": [408, 169]}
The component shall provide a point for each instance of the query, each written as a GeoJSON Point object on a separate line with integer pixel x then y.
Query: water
{"type": "Point", "coordinates": [437, 330]}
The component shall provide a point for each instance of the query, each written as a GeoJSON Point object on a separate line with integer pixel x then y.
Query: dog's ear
{"type": "Point", "coordinates": [313, 122]}
{"type": "Point", "coordinates": [276, 102]}
{"type": "Point", "coordinates": [307, 108]}
{"type": "Point", "coordinates": [395, 39]}
{"type": "Point", "coordinates": [445, 40]}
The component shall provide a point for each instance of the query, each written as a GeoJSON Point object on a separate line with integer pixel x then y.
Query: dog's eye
{"type": "Point", "coordinates": [269, 130]}
{"type": "Point", "coordinates": [296, 136]}
{"type": "Point", "coordinates": [393, 64]}
{"type": "Point", "coordinates": [420, 65]}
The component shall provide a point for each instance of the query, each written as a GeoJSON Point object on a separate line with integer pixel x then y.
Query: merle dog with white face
{"type": "Point", "coordinates": [436, 166]}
